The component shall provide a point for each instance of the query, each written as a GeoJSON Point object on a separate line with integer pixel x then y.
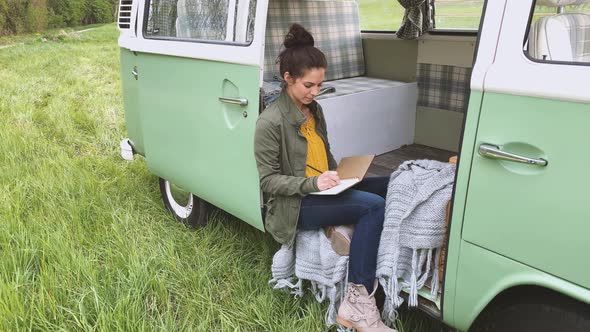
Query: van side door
{"type": "Point", "coordinates": [199, 72]}
{"type": "Point", "coordinates": [527, 196]}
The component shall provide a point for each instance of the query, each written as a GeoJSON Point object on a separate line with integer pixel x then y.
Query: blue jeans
{"type": "Point", "coordinates": [363, 205]}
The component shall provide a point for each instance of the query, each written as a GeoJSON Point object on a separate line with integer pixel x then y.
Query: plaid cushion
{"type": "Point", "coordinates": [162, 18]}
{"type": "Point", "coordinates": [357, 84]}
{"type": "Point", "coordinates": [443, 87]}
{"type": "Point", "coordinates": [344, 86]}
{"type": "Point", "coordinates": [334, 25]}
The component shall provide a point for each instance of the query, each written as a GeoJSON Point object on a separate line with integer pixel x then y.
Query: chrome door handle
{"type": "Point", "coordinates": [494, 152]}
{"type": "Point", "coordinates": [237, 101]}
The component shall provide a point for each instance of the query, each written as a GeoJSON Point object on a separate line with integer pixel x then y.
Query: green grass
{"type": "Point", "coordinates": [85, 243]}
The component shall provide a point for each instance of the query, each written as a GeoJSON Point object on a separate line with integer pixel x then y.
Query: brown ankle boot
{"type": "Point", "coordinates": [340, 237]}
{"type": "Point", "coordinates": [359, 311]}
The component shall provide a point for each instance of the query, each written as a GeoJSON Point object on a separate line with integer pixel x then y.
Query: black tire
{"type": "Point", "coordinates": [541, 311]}
{"type": "Point", "coordinates": [192, 211]}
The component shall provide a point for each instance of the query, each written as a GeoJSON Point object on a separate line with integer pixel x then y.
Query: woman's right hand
{"type": "Point", "coordinates": [327, 180]}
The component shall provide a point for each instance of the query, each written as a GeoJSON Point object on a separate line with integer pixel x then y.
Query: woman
{"type": "Point", "coordinates": [294, 159]}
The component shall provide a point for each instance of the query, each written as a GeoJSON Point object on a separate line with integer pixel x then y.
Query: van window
{"type": "Point", "coordinates": [230, 21]}
{"type": "Point", "coordinates": [387, 15]}
{"type": "Point", "coordinates": [559, 33]}
{"type": "Point", "coordinates": [457, 14]}
{"type": "Point", "coordinates": [380, 15]}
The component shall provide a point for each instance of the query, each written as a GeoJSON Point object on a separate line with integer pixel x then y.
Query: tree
{"type": "Point", "coordinates": [36, 16]}
{"type": "Point", "coordinates": [98, 11]}
{"type": "Point", "coordinates": [17, 16]}
{"type": "Point", "coordinates": [70, 12]}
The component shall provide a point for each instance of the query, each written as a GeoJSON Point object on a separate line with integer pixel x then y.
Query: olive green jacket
{"type": "Point", "coordinates": [281, 154]}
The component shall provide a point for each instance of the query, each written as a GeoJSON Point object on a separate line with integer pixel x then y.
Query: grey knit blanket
{"type": "Point", "coordinates": [413, 233]}
{"type": "Point", "coordinates": [414, 230]}
{"type": "Point", "coordinates": [311, 258]}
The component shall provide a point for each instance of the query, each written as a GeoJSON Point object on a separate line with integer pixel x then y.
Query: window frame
{"type": "Point", "coordinates": [190, 40]}
{"type": "Point", "coordinates": [541, 61]}
{"type": "Point", "coordinates": [457, 32]}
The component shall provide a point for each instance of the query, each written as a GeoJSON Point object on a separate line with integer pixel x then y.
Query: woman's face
{"type": "Point", "coordinates": [305, 88]}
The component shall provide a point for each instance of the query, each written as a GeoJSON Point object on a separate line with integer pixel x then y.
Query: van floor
{"type": "Point", "coordinates": [385, 164]}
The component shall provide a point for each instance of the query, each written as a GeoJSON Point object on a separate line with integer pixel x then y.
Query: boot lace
{"type": "Point", "coordinates": [353, 293]}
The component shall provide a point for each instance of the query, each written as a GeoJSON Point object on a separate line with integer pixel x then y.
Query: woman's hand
{"type": "Point", "coordinates": [327, 180]}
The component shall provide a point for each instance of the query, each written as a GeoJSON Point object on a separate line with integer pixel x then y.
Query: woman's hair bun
{"type": "Point", "coordinates": [298, 37]}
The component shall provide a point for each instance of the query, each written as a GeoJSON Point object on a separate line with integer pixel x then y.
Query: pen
{"type": "Point", "coordinates": [315, 169]}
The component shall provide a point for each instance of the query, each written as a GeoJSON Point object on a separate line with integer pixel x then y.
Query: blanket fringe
{"type": "Point", "coordinates": [288, 286]}
{"type": "Point", "coordinates": [434, 284]}
{"type": "Point", "coordinates": [413, 298]}
{"type": "Point", "coordinates": [318, 291]}
{"type": "Point", "coordinates": [334, 295]}
{"type": "Point", "coordinates": [392, 299]}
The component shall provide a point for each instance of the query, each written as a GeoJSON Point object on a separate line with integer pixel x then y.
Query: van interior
{"type": "Point", "coordinates": [398, 99]}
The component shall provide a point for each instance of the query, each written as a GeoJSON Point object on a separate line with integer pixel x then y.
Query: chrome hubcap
{"type": "Point", "coordinates": [181, 201]}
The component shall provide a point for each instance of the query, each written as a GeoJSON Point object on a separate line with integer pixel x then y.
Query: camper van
{"type": "Point", "coordinates": [511, 99]}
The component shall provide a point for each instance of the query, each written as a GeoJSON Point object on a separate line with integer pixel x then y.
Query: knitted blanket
{"type": "Point", "coordinates": [312, 258]}
{"type": "Point", "coordinates": [413, 232]}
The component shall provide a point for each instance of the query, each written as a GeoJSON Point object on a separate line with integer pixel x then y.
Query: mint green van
{"type": "Point", "coordinates": [511, 99]}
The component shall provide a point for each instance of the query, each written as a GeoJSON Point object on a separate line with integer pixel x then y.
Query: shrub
{"type": "Point", "coordinates": [36, 16]}
{"type": "Point", "coordinates": [17, 16]}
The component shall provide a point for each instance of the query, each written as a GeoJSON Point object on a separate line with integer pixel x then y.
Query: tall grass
{"type": "Point", "coordinates": [85, 243]}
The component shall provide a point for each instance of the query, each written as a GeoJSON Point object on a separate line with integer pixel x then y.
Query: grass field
{"type": "Point", "coordinates": [85, 243]}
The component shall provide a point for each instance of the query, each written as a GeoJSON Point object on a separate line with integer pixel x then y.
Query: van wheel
{"type": "Point", "coordinates": [542, 312]}
{"type": "Point", "coordinates": [186, 207]}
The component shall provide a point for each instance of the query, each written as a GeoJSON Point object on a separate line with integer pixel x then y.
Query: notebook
{"type": "Point", "coordinates": [351, 171]}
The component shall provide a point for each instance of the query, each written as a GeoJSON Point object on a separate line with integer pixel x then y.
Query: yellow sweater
{"type": "Point", "coordinates": [316, 150]}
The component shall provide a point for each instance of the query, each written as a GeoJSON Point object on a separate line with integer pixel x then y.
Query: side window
{"type": "Point", "coordinates": [559, 31]}
{"type": "Point", "coordinates": [380, 15]}
{"type": "Point", "coordinates": [230, 21]}
{"type": "Point", "coordinates": [457, 14]}
{"type": "Point", "coordinates": [387, 15]}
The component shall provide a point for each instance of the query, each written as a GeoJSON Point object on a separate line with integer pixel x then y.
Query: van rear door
{"type": "Point", "coordinates": [199, 71]}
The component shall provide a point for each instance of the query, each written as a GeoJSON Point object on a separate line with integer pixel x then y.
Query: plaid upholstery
{"type": "Point", "coordinates": [196, 19]}
{"type": "Point", "coordinates": [344, 86]}
{"type": "Point", "coordinates": [334, 25]}
{"type": "Point", "coordinates": [418, 18]}
{"type": "Point", "coordinates": [357, 84]}
{"type": "Point", "coordinates": [162, 18]}
{"type": "Point", "coordinates": [443, 87]}
{"type": "Point", "coordinates": [202, 19]}
{"type": "Point", "coordinates": [563, 37]}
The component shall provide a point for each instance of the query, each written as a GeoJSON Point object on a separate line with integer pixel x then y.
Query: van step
{"type": "Point", "coordinates": [427, 306]}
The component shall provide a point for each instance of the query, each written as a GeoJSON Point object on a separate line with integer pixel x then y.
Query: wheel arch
{"type": "Point", "coordinates": [514, 292]}
{"type": "Point", "coordinates": [483, 275]}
